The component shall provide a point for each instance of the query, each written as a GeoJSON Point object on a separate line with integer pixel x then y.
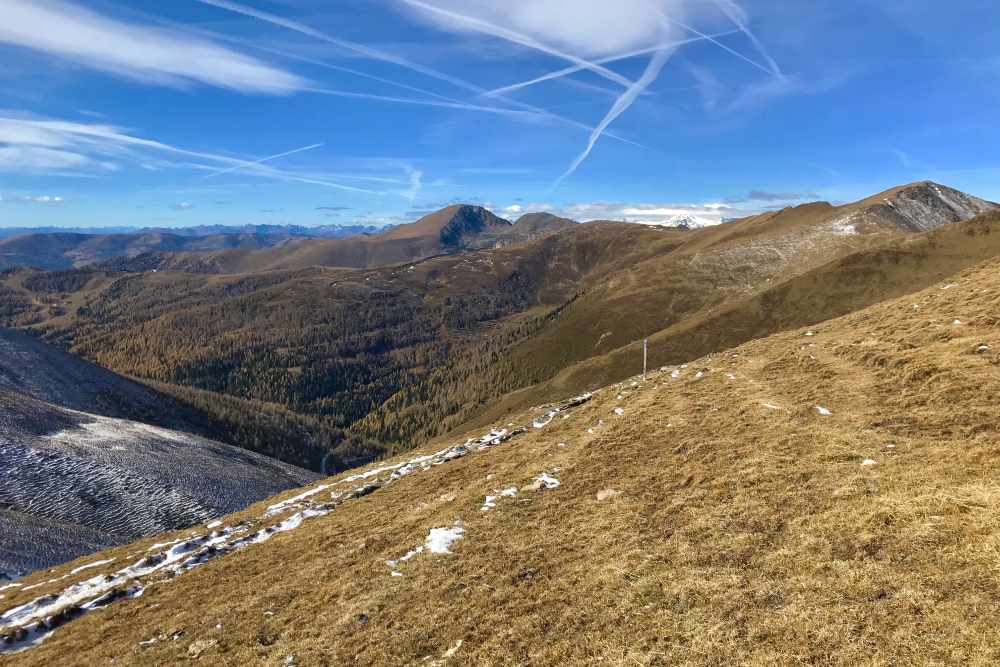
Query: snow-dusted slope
{"type": "Point", "coordinates": [72, 482]}
{"type": "Point", "coordinates": [918, 207]}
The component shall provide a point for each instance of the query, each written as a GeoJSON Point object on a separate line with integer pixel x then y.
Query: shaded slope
{"type": "Point", "coordinates": [71, 480]}
{"type": "Point", "coordinates": [34, 369]}
{"type": "Point", "coordinates": [54, 251]}
{"type": "Point", "coordinates": [712, 514]}
{"type": "Point", "coordinates": [84, 467]}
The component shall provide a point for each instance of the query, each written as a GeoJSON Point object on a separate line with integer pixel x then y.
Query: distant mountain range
{"type": "Point", "coordinates": [318, 231]}
{"type": "Point", "coordinates": [259, 247]}
{"type": "Point", "coordinates": [455, 229]}
{"type": "Point", "coordinates": [55, 248]}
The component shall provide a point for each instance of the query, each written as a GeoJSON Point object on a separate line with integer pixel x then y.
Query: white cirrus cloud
{"type": "Point", "coordinates": [30, 144]}
{"type": "Point", "coordinates": [665, 214]}
{"type": "Point", "coordinates": [581, 27]}
{"type": "Point", "coordinates": [32, 199]}
{"type": "Point", "coordinates": [153, 55]}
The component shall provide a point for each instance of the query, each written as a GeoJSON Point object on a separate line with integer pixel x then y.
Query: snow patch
{"type": "Point", "coordinates": [91, 565]}
{"type": "Point", "coordinates": [843, 227]}
{"type": "Point", "coordinates": [547, 481]}
{"type": "Point", "coordinates": [439, 540]}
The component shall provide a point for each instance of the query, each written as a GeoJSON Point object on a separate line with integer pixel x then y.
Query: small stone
{"type": "Point", "coordinates": [606, 494]}
{"type": "Point", "coordinates": [197, 648]}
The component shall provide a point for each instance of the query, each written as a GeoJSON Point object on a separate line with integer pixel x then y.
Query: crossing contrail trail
{"type": "Point", "coordinates": [263, 160]}
{"type": "Point", "coordinates": [518, 38]}
{"type": "Point", "coordinates": [620, 106]}
{"type": "Point", "coordinates": [383, 56]}
{"type": "Point", "coordinates": [739, 18]}
{"type": "Point", "coordinates": [621, 56]}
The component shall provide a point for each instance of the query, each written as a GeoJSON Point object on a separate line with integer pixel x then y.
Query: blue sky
{"type": "Point", "coordinates": [309, 112]}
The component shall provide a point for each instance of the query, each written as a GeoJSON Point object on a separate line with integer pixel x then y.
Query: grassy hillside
{"type": "Point", "coordinates": [823, 498]}
{"type": "Point", "coordinates": [899, 266]}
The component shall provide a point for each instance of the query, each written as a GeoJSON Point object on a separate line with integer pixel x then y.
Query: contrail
{"type": "Point", "coordinates": [393, 59]}
{"type": "Point", "coordinates": [342, 43]}
{"type": "Point", "coordinates": [653, 70]}
{"type": "Point", "coordinates": [716, 42]}
{"type": "Point", "coordinates": [428, 103]}
{"type": "Point", "coordinates": [621, 56]}
{"type": "Point", "coordinates": [263, 160]}
{"type": "Point", "coordinates": [738, 17]}
{"type": "Point", "coordinates": [518, 38]}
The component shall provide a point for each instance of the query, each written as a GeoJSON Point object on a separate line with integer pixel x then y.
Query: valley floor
{"type": "Point", "coordinates": [824, 496]}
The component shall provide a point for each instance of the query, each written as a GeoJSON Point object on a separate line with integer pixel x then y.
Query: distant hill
{"type": "Point", "coordinates": [62, 251]}
{"type": "Point", "coordinates": [458, 228]}
{"type": "Point", "coordinates": [57, 249]}
{"type": "Point", "coordinates": [317, 231]}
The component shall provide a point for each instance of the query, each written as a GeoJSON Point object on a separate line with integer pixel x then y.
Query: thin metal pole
{"type": "Point", "coordinates": [645, 356]}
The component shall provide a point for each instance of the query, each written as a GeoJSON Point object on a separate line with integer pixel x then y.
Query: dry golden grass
{"type": "Point", "coordinates": [740, 533]}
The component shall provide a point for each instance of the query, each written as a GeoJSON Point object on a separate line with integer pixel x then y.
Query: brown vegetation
{"type": "Point", "coordinates": [722, 518]}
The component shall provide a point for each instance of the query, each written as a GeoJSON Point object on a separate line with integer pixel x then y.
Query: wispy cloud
{"type": "Point", "coordinates": [911, 163]}
{"type": "Point", "coordinates": [653, 213]}
{"type": "Point", "coordinates": [33, 199]}
{"type": "Point", "coordinates": [152, 55]}
{"type": "Point", "coordinates": [347, 45]}
{"type": "Point", "coordinates": [416, 183]}
{"type": "Point", "coordinates": [709, 86]}
{"type": "Point", "coordinates": [56, 146]}
{"type": "Point", "coordinates": [767, 196]}
{"type": "Point", "coordinates": [391, 58]}
{"type": "Point", "coordinates": [183, 206]}
{"type": "Point", "coordinates": [539, 20]}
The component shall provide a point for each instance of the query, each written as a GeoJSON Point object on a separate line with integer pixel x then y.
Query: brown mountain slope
{"type": "Point", "coordinates": [838, 287]}
{"type": "Point", "coordinates": [819, 499]}
{"type": "Point", "coordinates": [717, 267]}
{"type": "Point", "coordinates": [409, 346]}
